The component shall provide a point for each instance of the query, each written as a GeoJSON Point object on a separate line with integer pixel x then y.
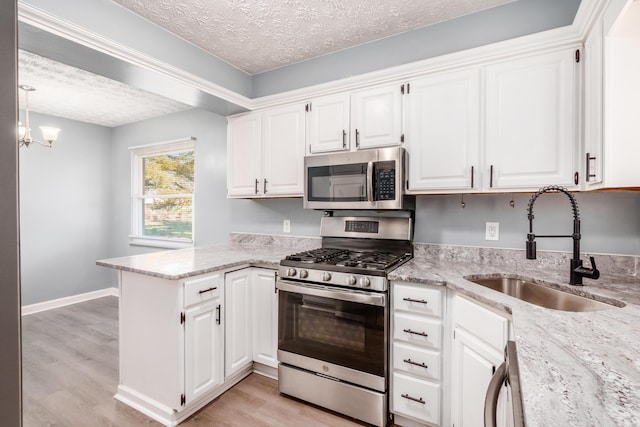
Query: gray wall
{"type": "Point", "coordinates": [212, 209]}
{"type": "Point", "coordinates": [610, 220]}
{"type": "Point", "coordinates": [500, 23]}
{"type": "Point", "coordinates": [64, 210]}
{"type": "Point", "coordinates": [10, 383]}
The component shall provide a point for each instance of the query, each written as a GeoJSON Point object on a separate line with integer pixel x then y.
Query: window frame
{"type": "Point", "coordinates": [138, 154]}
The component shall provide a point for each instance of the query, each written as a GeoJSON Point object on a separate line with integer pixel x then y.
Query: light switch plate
{"type": "Point", "coordinates": [492, 231]}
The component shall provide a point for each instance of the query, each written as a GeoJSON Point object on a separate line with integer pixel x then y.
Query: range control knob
{"type": "Point", "coordinates": [364, 282]}
{"type": "Point", "coordinates": [291, 272]}
{"type": "Point", "coordinates": [303, 274]}
{"type": "Point", "coordinates": [326, 276]}
{"type": "Point", "coordinates": [350, 280]}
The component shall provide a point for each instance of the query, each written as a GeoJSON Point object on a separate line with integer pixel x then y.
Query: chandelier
{"type": "Point", "coordinates": [50, 134]}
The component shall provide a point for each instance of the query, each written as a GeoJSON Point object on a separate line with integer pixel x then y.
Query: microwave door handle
{"type": "Point", "coordinates": [370, 182]}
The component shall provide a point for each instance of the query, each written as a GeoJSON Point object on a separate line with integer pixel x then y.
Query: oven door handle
{"type": "Point", "coordinates": [369, 298]}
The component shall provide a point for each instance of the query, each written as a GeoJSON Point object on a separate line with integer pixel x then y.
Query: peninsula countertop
{"type": "Point", "coordinates": [577, 369]}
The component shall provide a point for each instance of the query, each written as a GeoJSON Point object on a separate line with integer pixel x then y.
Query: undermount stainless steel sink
{"type": "Point", "coordinates": [541, 295]}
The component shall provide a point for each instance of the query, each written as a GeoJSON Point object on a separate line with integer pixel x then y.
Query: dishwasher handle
{"type": "Point", "coordinates": [493, 391]}
{"type": "Point", "coordinates": [508, 372]}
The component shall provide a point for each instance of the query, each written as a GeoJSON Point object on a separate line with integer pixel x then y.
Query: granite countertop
{"type": "Point", "coordinates": [577, 369]}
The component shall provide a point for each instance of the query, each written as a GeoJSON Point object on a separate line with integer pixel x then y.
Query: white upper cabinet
{"type": "Point", "coordinates": [265, 153]}
{"type": "Point", "coordinates": [283, 134]}
{"type": "Point", "coordinates": [531, 122]}
{"type": "Point", "coordinates": [244, 155]}
{"type": "Point", "coordinates": [376, 117]}
{"type": "Point", "coordinates": [593, 137]}
{"type": "Point", "coordinates": [328, 124]}
{"type": "Point", "coordinates": [443, 131]}
{"type": "Point", "coordinates": [621, 86]}
{"type": "Point", "coordinates": [352, 121]}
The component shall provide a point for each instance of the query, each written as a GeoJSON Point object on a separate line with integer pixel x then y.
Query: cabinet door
{"type": "Point", "coordinates": [283, 139]}
{"type": "Point", "coordinates": [328, 124]}
{"type": "Point", "coordinates": [204, 341]}
{"type": "Point", "coordinates": [237, 296]}
{"type": "Point", "coordinates": [531, 121]}
{"type": "Point", "coordinates": [443, 131]}
{"type": "Point", "coordinates": [265, 318]}
{"type": "Point", "coordinates": [376, 117]}
{"type": "Point", "coordinates": [593, 133]}
{"type": "Point", "coordinates": [474, 363]}
{"type": "Point", "coordinates": [244, 156]}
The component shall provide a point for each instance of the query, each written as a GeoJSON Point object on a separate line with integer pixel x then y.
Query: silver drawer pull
{"type": "Point", "coordinates": [419, 400]}
{"type": "Point", "coordinates": [421, 301]}
{"type": "Point", "coordinates": [207, 290]}
{"type": "Point", "coordinates": [411, 362]}
{"type": "Point", "coordinates": [422, 334]}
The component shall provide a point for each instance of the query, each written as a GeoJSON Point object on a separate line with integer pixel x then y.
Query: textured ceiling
{"type": "Point", "coordinates": [260, 35]}
{"type": "Point", "coordinates": [77, 94]}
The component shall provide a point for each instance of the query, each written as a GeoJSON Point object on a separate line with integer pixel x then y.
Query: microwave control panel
{"type": "Point", "coordinates": [385, 178]}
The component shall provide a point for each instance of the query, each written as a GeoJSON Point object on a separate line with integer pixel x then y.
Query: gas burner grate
{"type": "Point", "coordinates": [316, 256]}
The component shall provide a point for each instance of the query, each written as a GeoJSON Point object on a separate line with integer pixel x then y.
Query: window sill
{"type": "Point", "coordinates": [159, 243]}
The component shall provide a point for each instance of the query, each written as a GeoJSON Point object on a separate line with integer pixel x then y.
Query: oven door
{"type": "Point", "coordinates": [334, 332]}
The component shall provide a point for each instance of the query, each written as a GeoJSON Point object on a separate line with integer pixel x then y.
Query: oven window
{"type": "Point", "coordinates": [342, 183]}
{"type": "Point", "coordinates": [344, 333]}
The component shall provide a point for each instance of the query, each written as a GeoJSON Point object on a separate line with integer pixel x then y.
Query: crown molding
{"type": "Point", "coordinates": [41, 19]}
{"type": "Point", "coordinates": [557, 38]}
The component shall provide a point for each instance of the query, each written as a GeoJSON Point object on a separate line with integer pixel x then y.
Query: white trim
{"type": "Point", "coordinates": [153, 147]}
{"type": "Point", "coordinates": [74, 299]}
{"type": "Point", "coordinates": [41, 19]}
{"type": "Point", "coordinates": [557, 38]}
{"type": "Point", "coordinates": [159, 243]}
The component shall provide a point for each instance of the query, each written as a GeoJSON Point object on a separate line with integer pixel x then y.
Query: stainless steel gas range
{"type": "Point", "coordinates": [333, 313]}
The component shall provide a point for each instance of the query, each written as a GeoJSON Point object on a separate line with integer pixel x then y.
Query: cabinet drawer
{"type": "Point", "coordinates": [416, 361]}
{"type": "Point", "coordinates": [415, 398]}
{"type": "Point", "coordinates": [481, 322]}
{"type": "Point", "coordinates": [201, 289]}
{"type": "Point", "coordinates": [418, 300]}
{"type": "Point", "coordinates": [420, 331]}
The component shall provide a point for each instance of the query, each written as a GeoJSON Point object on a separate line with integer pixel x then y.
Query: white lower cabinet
{"type": "Point", "coordinates": [479, 337]}
{"type": "Point", "coordinates": [185, 342]}
{"type": "Point", "coordinates": [251, 320]}
{"type": "Point", "coordinates": [203, 337]}
{"type": "Point", "coordinates": [264, 306]}
{"type": "Point", "coordinates": [238, 343]}
{"type": "Point", "coordinates": [444, 351]}
{"type": "Point", "coordinates": [417, 325]}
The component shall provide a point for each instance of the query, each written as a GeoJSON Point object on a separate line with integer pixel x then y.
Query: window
{"type": "Point", "coordinates": [162, 190]}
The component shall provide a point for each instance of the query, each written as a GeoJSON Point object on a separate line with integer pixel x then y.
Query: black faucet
{"type": "Point", "coordinates": [577, 270]}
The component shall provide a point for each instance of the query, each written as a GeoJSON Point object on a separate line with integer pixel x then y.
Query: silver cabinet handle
{"type": "Point", "coordinates": [357, 138]}
{"type": "Point", "coordinates": [264, 187]}
{"type": "Point", "coordinates": [491, 177]}
{"type": "Point", "coordinates": [589, 175]}
{"type": "Point", "coordinates": [257, 182]}
{"type": "Point", "coordinates": [344, 138]}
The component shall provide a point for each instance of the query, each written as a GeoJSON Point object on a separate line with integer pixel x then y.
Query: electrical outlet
{"type": "Point", "coordinates": [492, 231]}
{"type": "Point", "coordinates": [286, 226]}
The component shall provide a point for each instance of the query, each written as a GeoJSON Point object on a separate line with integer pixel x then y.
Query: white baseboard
{"type": "Point", "coordinates": [73, 299]}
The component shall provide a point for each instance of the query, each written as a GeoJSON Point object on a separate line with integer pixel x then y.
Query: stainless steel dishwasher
{"type": "Point", "coordinates": [509, 375]}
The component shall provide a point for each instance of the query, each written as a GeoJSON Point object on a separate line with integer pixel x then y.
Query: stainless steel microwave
{"type": "Point", "coordinates": [365, 179]}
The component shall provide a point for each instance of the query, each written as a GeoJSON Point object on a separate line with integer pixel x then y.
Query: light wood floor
{"type": "Point", "coordinates": [70, 374]}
